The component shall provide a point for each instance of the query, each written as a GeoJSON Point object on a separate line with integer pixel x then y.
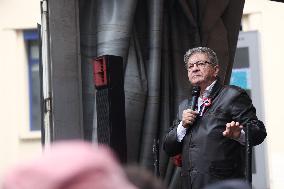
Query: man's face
{"type": "Point", "coordinates": [200, 70]}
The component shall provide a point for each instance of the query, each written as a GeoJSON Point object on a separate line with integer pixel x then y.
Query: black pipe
{"type": "Point", "coordinates": [156, 151]}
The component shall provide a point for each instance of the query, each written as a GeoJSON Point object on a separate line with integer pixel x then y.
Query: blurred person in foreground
{"type": "Point", "coordinates": [229, 184]}
{"type": "Point", "coordinates": [211, 137]}
{"type": "Point", "coordinates": [69, 165]}
{"type": "Point", "coordinates": [143, 178]}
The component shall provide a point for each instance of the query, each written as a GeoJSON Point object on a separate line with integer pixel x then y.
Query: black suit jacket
{"type": "Point", "coordinates": [208, 156]}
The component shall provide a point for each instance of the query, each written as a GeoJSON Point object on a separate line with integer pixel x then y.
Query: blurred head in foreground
{"type": "Point", "coordinates": [143, 178]}
{"type": "Point", "coordinates": [69, 165]}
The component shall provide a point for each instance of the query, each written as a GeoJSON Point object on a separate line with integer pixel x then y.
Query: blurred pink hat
{"type": "Point", "coordinates": [69, 165]}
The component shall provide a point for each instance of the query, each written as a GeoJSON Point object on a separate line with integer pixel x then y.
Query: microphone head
{"type": "Point", "coordinates": [195, 91]}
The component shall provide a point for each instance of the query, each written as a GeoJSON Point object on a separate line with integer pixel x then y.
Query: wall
{"type": "Point", "coordinates": [16, 142]}
{"type": "Point", "coordinates": [267, 18]}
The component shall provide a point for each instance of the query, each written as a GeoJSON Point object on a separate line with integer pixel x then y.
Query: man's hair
{"type": "Point", "coordinates": [205, 50]}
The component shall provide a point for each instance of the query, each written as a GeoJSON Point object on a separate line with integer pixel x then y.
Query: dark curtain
{"type": "Point", "coordinates": [152, 37]}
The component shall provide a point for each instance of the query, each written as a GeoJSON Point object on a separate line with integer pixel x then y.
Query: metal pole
{"type": "Point", "coordinates": [156, 157]}
{"type": "Point", "coordinates": [47, 116]}
{"type": "Point", "coordinates": [248, 155]}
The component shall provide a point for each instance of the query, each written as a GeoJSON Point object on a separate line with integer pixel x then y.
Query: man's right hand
{"type": "Point", "coordinates": [188, 117]}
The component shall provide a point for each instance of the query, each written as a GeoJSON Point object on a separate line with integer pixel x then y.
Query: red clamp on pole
{"type": "Point", "coordinates": [100, 72]}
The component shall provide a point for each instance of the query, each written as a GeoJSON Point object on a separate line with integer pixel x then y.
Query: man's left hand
{"type": "Point", "coordinates": [233, 130]}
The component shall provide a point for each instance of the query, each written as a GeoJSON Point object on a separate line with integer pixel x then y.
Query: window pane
{"type": "Point", "coordinates": [35, 97]}
{"type": "Point", "coordinates": [31, 40]}
{"type": "Point", "coordinates": [34, 51]}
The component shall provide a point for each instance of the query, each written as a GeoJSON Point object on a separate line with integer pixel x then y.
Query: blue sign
{"type": "Point", "coordinates": [241, 78]}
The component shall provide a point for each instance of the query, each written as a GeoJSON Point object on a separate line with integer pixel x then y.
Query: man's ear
{"type": "Point", "coordinates": [217, 69]}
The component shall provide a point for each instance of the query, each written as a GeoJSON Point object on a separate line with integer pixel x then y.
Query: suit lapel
{"type": "Point", "coordinates": [215, 90]}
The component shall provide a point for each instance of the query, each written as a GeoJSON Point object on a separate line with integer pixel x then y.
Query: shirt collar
{"type": "Point", "coordinates": [208, 89]}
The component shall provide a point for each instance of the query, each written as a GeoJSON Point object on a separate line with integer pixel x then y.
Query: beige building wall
{"type": "Point", "coordinates": [16, 143]}
{"type": "Point", "coordinates": [267, 17]}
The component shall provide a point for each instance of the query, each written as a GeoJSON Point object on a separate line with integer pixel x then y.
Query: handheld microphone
{"type": "Point", "coordinates": [195, 94]}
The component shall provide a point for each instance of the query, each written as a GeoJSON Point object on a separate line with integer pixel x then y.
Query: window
{"type": "Point", "coordinates": [32, 50]}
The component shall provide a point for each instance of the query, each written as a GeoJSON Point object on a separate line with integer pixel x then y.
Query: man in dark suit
{"type": "Point", "coordinates": [211, 138]}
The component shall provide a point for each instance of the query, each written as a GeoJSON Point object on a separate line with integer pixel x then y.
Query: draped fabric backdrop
{"type": "Point", "coordinates": [152, 37]}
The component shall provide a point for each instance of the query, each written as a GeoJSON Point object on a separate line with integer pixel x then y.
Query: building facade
{"type": "Point", "coordinates": [19, 76]}
{"type": "Point", "coordinates": [18, 67]}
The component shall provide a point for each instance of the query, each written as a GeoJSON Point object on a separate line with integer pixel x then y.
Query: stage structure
{"type": "Point", "coordinates": [151, 37]}
{"type": "Point", "coordinates": [110, 105]}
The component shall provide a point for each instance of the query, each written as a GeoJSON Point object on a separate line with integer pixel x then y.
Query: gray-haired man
{"type": "Point", "coordinates": [211, 138]}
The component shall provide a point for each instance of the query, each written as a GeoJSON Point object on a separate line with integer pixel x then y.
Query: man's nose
{"type": "Point", "coordinates": [195, 67]}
